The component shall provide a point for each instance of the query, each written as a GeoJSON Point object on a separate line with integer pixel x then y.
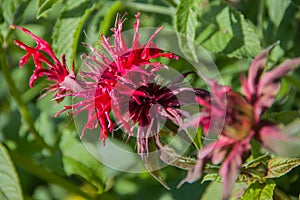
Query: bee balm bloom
{"type": "Point", "coordinates": [242, 122]}
{"type": "Point", "coordinates": [63, 80]}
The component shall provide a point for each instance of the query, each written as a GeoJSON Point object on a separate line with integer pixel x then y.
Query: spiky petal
{"type": "Point", "coordinates": [63, 80]}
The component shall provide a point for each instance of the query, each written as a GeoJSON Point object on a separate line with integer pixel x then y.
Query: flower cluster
{"type": "Point", "coordinates": [124, 81]}
{"type": "Point", "coordinates": [97, 84]}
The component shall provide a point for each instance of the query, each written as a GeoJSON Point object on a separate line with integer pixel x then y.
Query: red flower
{"type": "Point", "coordinates": [143, 98]}
{"type": "Point", "coordinates": [102, 74]}
{"type": "Point", "coordinates": [56, 71]}
{"type": "Point", "coordinates": [241, 117]}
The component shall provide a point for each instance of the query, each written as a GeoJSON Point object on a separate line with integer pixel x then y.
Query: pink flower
{"type": "Point", "coordinates": [242, 120]}
{"type": "Point", "coordinates": [103, 73]}
{"type": "Point", "coordinates": [56, 71]}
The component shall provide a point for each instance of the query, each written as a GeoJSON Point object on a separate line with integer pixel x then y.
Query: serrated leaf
{"type": "Point", "coordinates": [225, 30]}
{"type": "Point", "coordinates": [186, 23]}
{"type": "Point", "coordinates": [186, 17]}
{"type": "Point", "coordinates": [280, 166]}
{"type": "Point", "coordinates": [44, 6]}
{"type": "Point", "coordinates": [9, 185]}
{"type": "Point", "coordinates": [259, 191]}
{"type": "Point", "coordinates": [68, 27]}
{"type": "Point", "coordinates": [78, 161]}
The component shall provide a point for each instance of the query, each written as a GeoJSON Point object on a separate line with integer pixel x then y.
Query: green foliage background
{"type": "Point", "coordinates": [42, 158]}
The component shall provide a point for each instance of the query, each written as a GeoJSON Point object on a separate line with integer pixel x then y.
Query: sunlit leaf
{"type": "Point", "coordinates": [259, 191]}
{"type": "Point", "coordinates": [68, 28]}
{"type": "Point", "coordinates": [225, 30]}
{"type": "Point", "coordinates": [186, 22]}
{"type": "Point", "coordinates": [211, 177]}
{"type": "Point", "coordinates": [279, 166]}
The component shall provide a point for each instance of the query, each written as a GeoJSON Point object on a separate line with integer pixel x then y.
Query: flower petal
{"type": "Point", "coordinates": [279, 141]}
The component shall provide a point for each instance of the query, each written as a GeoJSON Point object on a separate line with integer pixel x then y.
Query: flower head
{"type": "Point", "coordinates": [242, 120]}
{"type": "Point", "coordinates": [144, 99]}
{"type": "Point", "coordinates": [56, 71]}
{"type": "Point", "coordinates": [104, 72]}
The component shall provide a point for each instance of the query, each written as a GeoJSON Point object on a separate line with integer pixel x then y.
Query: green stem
{"type": "Point", "coordinates": [109, 17]}
{"type": "Point", "coordinates": [20, 103]}
{"type": "Point", "coordinates": [260, 17]}
{"type": "Point", "coordinates": [45, 174]}
{"type": "Point", "coordinates": [150, 8]}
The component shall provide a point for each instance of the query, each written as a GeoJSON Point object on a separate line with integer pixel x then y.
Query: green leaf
{"type": "Point", "coordinates": [212, 177]}
{"type": "Point", "coordinates": [9, 184]}
{"type": "Point", "coordinates": [68, 27]}
{"type": "Point", "coordinates": [253, 162]}
{"type": "Point", "coordinates": [288, 22]}
{"type": "Point", "coordinates": [7, 12]}
{"type": "Point", "coordinates": [186, 17]}
{"type": "Point", "coordinates": [259, 191]}
{"type": "Point", "coordinates": [224, 30]}
{"type": "Point", "coordinates": [283, 117]}
{"type": "Point", "coordinates": [186, 23]}
{"type": "Point", "coordinates": [77, 160]}
{"type": "Point", "coordinates": [213, 191]}
{"type": "Point", "coordinates": [280, 166]}
{"type": "Point", "coordinates": [276, 10]}
{"type": "Point", "coordinates": [44, 6]}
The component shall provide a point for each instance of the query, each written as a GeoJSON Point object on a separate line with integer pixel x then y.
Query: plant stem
{"type": "Point", "coordinates": [109, 17]}
{"type": "Point", "coordinates": [150, 8]}
{"type": "Point", "coordinates": [20, 103]}
{"type": "Point", "coordinates": [45, 174]}
{"type": "Point", "coordinates": [260, 17]}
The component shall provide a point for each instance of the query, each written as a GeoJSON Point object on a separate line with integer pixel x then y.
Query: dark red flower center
{"type": "Point", "coordinates": [145, 97]}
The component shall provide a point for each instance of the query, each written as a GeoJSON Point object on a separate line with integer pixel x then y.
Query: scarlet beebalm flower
{"type": "Point", "coordinates": [144, 99]}
{"type": "Point", "coordinates": [56, 71]}
{"type": "Point", "coordinates": [103, 73]}
{"type": "Point", "coordinates": [242, 120]}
